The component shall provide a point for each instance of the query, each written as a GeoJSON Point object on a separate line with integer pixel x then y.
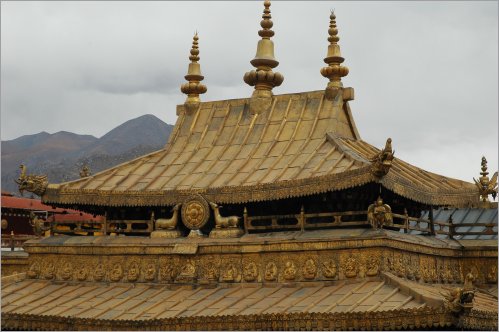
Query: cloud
{"type": "Point", "coordinates": [424, 73]}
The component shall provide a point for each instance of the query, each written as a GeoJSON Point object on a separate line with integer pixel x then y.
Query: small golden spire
{"type": "Point", "coordinates": [485, 185]}
{"type": "Point", "coordinates": [263, 78]}
{"type": "Point", "coordinates": [334, 71]}
{"type": "Point", "coordinates": [193, 88]}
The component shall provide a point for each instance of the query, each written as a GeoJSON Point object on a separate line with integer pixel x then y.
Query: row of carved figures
{"type": "Point", "coordinates": [281, 268]}
{"type": "Point", "coordinates": [191, 270]}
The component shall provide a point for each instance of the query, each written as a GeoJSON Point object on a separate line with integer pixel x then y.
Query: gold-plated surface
{"type": "Point", "coordinates": [263, 78]}
{"type": "Point", "coordinates": [193, 88]}
{"type": "Point", "coordinates": [304, 144]}
{"type": "Point", "coordinates": [36, 184]}
{"type": "Point", "coordinates": [195, 212]}
{"type": "Point", "coordinates": [460, 298]}
{"type": "Point", "coordinates": [334, 71]}
{"type": "Point", "coordinates": [382, 161]}
{"type": "Point", "coordinates": [379, 214]}
{"type": "Point", "coordinates": [168, 224]}
{"type": "Point", "coordinates": [485, 185]}
{"type": "Point", "coordinates": [38, 224]}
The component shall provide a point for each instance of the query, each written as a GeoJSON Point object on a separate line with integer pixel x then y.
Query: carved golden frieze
{"type": "Point", "coordinates": [297, 266]}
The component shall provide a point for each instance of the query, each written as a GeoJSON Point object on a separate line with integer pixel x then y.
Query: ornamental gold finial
{"type": "Point", "coordinates": [334, 71]}
{"type": "Point", "coordinates": [263, 78]}
{"type": "Point", "coordinates": [485, 185]}
{"type": "Point", "coordinates": [193, 88]}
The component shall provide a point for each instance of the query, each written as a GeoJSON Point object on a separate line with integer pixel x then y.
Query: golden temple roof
{"type": "Point", "coordinates": [303, 144]}
{"type": "Point", "coordinates": [373, 302]}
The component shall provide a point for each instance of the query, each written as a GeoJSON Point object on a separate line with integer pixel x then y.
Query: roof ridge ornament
{"type": "Point", "coordinates": [485, 185]}
{"type": "Point", "coordinates": [382, 161]}
{"type": "Point", "coordinates": [36, 184]}
{"type": "Point", "coordinates": [263, 78]}
{"type": "Point", "coordinates": [334, 71]}
{"type": "Point", "coordinates": [193, 88]}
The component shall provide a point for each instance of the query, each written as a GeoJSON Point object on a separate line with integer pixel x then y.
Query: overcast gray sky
{"type": "Point", "coordinates": [424, 73]}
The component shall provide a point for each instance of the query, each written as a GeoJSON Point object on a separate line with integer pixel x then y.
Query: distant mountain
{"type": "Point", "coordinates": [61, 155]}
{"type": "Point", "coordinates": [146, 130]}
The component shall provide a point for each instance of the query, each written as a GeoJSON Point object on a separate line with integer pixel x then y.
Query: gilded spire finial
{"type": "Point", "coordinates": [193, 88]}
{"type": "Point", "coordinates": [485, 185]}
{"type": "Point", "coordinates": [334, 71]}
{"type": "Point", "coordinates": [263, 78]}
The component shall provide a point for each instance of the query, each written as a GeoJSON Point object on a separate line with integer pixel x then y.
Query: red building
{"type": "Point", "coordinates": [17, 212]}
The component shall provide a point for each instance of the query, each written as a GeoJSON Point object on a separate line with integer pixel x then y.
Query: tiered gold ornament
{"type": "Point", "coordinates": [485, 185]}
{"type": "Point", "coordinates": [193, 88]}
{"type": "Point", "coordinates": [263, 78]}
{"type": "Point", "coordinates": [334, 71]}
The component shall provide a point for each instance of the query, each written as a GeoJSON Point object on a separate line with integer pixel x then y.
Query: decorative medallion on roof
{"type": "Point", "coordinates": [334, 71]}
{"type": "Point", "coordinates": [382, 161]}
{"type": "Point", "coordinates": [193, 88]}
{"type": "Point", "coordinates": [485, 185]}
{"type": "Point", "coordinates": [36, 184]}
{"type": "Point", "coordinates": [263, 78]}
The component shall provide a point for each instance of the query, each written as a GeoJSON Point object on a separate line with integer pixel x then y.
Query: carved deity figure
{"type": "Point", "coordinates": [37, 184]}
{"type": "Point", "coordinates": [150, 272]}
{"type": "Point", "coordinates": [329, 269]}
{"type": "Point", "coordinates": [250, 272]}
{"type": "Point", "coordinates": [67, 271]}
{"type": "Point", "coordinates": [372, 266]}
{"type": "Point", "coordinates": [230, 273]}
{"type": "Point", "coordinates": [350, 267]}
{"type": "Point", "coordinates": [212, 273]}
{"type": "Point", "coordinates": [34, 270]}
{"type": "Point", "coordinates": [167, 272]}
{"type": "Point", "coordinates": [188, 271]}
{"type": "Point", "coordinates": [170, 223]}
{"type": "Point", "coordinates": [48, 270]}
{"type": "Point", "coordinates": [289, 272]}
{"type": "Point", "coordinates": [379, 214]}
{"type": "Point", "coordinates": [116, 273]}
{"type": "Point", "coordinates": [81, 273]}
{"type": "Point", "coordinates": [310, 269]}
{"type": "Point", "coordinates": [270, 271]}
{"type": "Point", "coordinates": [99, 272]}
{"type": "Point", "coordinates": [133, 272]}
{"type": "Point", "coordinates": [492, 275]}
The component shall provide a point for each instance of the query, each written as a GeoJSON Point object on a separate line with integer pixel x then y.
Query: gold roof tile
{"type": "Point", "coordinates": [303, 139]}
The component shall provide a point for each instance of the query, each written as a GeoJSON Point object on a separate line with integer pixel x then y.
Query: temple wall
{"type": "Point", "coordinates": [226, 261]}
{"type": "Point", "coordinates": [14, 262]}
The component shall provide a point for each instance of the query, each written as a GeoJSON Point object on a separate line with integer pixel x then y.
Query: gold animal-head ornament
{"type": "Point", "coordinates": [382, 161]}
{"type": "Point", "coordinates": [36, 184]}
{"type": "Point", "coordinates": [263, 78]}
{"type": "Point", "coordinates": [193, 88]}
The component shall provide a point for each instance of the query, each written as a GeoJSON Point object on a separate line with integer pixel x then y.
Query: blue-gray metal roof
{"type": "Point", "coordinates": [464, 216]}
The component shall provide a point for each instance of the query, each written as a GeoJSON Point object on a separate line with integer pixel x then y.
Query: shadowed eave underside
{"type": "Point", "coordinates": [303, 144]}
